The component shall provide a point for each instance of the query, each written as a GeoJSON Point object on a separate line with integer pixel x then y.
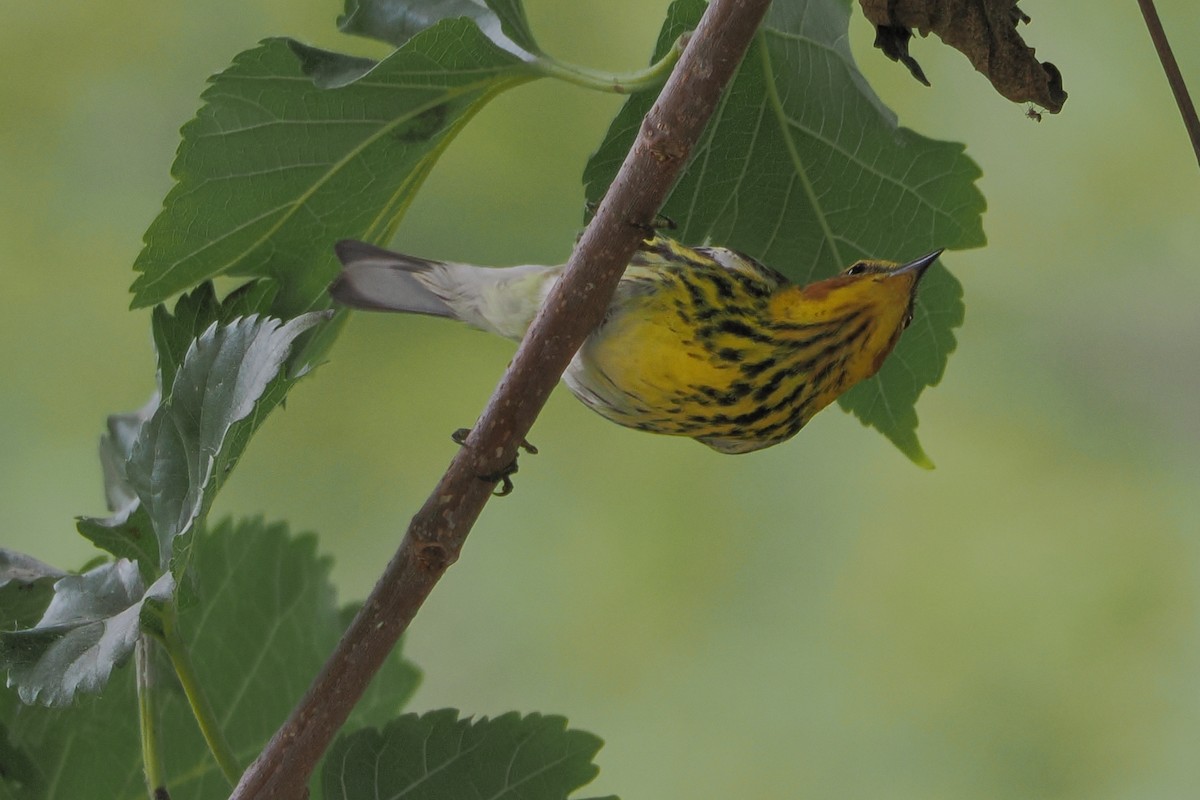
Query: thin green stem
{"type": "Point", "coordinates": [624, 83]}
{"type": "Point", "coordinates": [148, 720]}
{"type": "Point", "coordinates": [201, 709]}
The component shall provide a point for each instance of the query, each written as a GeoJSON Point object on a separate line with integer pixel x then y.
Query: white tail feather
{"type": "Point", "coordinates": [502, 301]}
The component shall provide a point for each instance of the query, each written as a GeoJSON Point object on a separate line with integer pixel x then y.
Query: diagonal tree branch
{"type": "Point", "coordinates": [437, 532]}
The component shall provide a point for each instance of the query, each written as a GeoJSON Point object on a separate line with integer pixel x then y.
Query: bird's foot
{"type": "Point", "coordinates": [661, 222]}
{"type": "Point", "coordinates": [504, 475]}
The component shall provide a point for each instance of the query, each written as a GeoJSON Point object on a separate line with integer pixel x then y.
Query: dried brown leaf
{"type": "Point", "coordinates": [985, 31]}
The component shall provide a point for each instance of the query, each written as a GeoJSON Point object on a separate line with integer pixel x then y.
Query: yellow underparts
{"type": "Point", "coordinates": [729, 353]}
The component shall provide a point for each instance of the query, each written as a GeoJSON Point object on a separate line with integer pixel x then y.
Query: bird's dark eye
{"type": "Point", "coordinates": [857, 269]}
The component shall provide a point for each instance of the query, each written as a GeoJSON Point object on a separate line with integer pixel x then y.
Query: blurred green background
{"type": "Point", "coordinates": [821, 619]}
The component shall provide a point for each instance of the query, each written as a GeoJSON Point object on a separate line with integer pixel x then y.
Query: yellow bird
{"type": "Point", "coordinates": [698, 341]}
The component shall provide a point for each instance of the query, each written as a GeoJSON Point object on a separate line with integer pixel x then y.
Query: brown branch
{"type": "Point", "coordinates": [436, 534]}
{"type": "Point", "coordinates": [1174, 76]}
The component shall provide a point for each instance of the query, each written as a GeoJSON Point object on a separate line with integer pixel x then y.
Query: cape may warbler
{"type": "Point", "coordinates": [702, 342]}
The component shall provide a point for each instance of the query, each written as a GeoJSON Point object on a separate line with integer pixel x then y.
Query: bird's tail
{"type": "Point", "coordinates": [502, 301]}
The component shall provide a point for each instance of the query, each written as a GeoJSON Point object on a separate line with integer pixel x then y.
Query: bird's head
{"type": "Point", "coordinates": [870, 301]}
{"type": "Point", "coordinates": [887, 287]}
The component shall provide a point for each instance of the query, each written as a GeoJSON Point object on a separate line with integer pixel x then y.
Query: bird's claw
{"type": "Point", "coordinates": [504, 475]}
{"type": "Point", "coordinates": [661, 222]}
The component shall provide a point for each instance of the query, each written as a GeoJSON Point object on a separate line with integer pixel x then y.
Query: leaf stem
{"type": "Point", "coordinates": [148, 720]}
{"type": "Point", "coordinates": [626, 83]}
{"type": "Point", "coordinates": [1174, 77]}
{"type": "Point", "coordinates": [181, 660]}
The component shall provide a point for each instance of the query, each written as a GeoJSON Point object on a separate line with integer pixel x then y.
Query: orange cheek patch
{"type": "Point", "coordinates": [821, 289]}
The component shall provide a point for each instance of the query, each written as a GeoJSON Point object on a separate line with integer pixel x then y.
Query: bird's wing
{"type": "Point", "coordinates": [743, 264]}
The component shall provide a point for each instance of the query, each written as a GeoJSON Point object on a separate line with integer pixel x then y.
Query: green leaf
{"type": "Point", "coordinates": [126, 534]}
{"type": "Point", "coordinates": [87, 749]}
{"type": "Point", "coordinates": [514, 23]}
{"type": "Point", "coordinates": [397, 21]}
{"type": "Point", "coordinates": [194, 313]}
{"type": "Point", "coordinates": [439, 756]}
{"type": "Point", "coordinates": [18, 773]}
{"type": "Point", "coordinates": [804, 168]}
{"type": "Point", "coordinates": [274, 169]}
{"type": "Point", "coordinates": [231, 374]}
{"type": "Point", "coordinates": [90, 626]}
{"type": "Point", "coordinates": [259, 619]}
{"type": "Point", "coordinates": [260, 624]}
{"type": "Point", "coordinates": [26, 587]}
{"type": "Point", "coordinates": [115, 447]}
{"type": "Point", "coordinates": [129, 532]}
{"type": "Point", "coordinates": [315, 346]}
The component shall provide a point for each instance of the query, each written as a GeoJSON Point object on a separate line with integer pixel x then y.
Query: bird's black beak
{"type": "Point", "coordinates": [917, 269]}
{"type": "Point", "coordinates": [920, 265]}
